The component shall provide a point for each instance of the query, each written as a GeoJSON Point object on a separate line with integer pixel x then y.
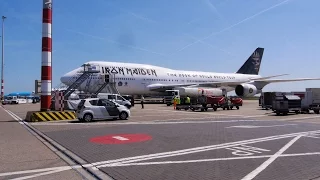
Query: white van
{"type": "Point", "coordinates": [115, 97]}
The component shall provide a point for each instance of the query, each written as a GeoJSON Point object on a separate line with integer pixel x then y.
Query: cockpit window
{"type": "Point", "coordinates": [80, 70]}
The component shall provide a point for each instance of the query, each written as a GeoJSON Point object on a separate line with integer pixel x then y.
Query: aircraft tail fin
{"type": "Point", "coordinates": [252, 65]}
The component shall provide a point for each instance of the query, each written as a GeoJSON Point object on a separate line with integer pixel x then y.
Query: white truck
{"type": "Point", "coordinates": [310, 99]}
{"type": "Point", "coordinates": [170, 94]}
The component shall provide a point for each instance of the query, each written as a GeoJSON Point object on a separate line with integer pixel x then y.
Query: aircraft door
{"type": "Point", "coordinates": [107, 78]}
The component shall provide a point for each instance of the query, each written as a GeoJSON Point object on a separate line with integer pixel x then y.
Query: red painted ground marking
{"type": "Point", "coordinates": [120, 138]}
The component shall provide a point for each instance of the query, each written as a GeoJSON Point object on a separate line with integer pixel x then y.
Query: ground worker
{"type": "Point", "coordinates": [178, 100]}
{"type": "Point", "coordinates": [174, 102]}
{"type": "Point", "coordinates": [187, 100]}
{"type": "Point", "coordinates": [142, 102]}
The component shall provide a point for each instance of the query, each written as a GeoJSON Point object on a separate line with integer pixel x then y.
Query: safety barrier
{"type": "Point", "coordinates": [36, 116]}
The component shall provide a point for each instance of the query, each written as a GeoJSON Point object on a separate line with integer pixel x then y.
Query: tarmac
{"type": "Point", "coordinates": [158, 142]}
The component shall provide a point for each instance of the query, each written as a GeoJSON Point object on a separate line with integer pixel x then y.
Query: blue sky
{"type": "Point", "coordinates": [203, 35]}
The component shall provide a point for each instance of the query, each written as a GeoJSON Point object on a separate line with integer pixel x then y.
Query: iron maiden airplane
{"type": "Point", "coordinates": [143, 79]}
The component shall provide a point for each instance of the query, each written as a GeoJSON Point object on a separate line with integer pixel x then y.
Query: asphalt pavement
{"type": "Point", "coordinates": [160, 143]}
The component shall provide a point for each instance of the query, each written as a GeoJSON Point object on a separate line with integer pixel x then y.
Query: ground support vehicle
{"type": "Point", "coordinates": [310, 100]}
{"type": "Point", "coordinates": [195, 107]}
{"type": "Point", "coordinates": [283, 104]}
{"type": "Point", "coordinates": [266, 99]}
{"type": "Point", "coordinates": [186, 106]}
{"type": "Point", "coordinates": [205, 102]}
{"type": "Point", "coordinates": [228, 103]}
{"type": "Point", "coordinates": [183, 106]}
{"type": "Point", "coordinates": [235, 102]}
{"type": "Point", "coordinates": [170, 94]}
{"type": "Point", "coordinates": [224, 103]}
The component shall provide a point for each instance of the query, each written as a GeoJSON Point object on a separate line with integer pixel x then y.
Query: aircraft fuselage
{"type": "Point", "coordinates": [135, 78]}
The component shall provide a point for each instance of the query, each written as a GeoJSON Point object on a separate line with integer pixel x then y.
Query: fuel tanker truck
{"type": "Point", "coordinates": [193, 93]}
{"type": "Point", "coordinates": [202, 99]}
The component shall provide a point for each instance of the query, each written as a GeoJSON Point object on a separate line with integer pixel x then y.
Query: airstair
{"type": "Point", "coordinates": [109, 84]}
{"type": "Point", "coordinates": [87, 72]}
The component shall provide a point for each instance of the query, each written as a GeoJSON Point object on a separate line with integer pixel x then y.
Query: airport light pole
{"type": "Point", "coordinates": [2, 58]}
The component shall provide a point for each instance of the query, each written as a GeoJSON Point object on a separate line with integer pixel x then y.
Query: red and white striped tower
{"type": "Point", "coordinates": [46, 71]}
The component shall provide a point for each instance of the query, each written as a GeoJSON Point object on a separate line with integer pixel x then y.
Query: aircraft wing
{"type": "Point", "coordinates": [213, 84]}
{"type": "Point", "coordinates": [285, 80]}
{"type": "Point", "coordinates": [216, 84]}
{"type": "Point", "coordinates": [268, 77]}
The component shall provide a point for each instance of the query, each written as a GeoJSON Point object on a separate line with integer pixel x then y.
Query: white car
{"type": "Point", "coordinates": [99, 108]}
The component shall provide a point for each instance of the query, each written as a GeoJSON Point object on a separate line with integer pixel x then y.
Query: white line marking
{"type": "Point", "coordinates": [159, 163]}
{"type": "Point", "coordinates": [41, 174]}
{"type": "Point", "coordinates": [244, 150]}
{"type": "Point", "coordinates": [264, 165]}
{"type": "Point", "coordinates": [252, 126]}
{"type": "Point", "coordinates": [210, 160]}
{"type": "Point", "coordinates": [28, 127]}
{"type": "Point", "coordinates": [197, 149]}
{"type": "Point", "coordinates": [155, 122]}
{"type": "Point", "coordinates": [34, 171]}
{"type": "Point", "coordinates": [273, 157]}
{"type": "Point", "coordinates": [120, 138]}
{"type": "Point", "coordinates": [76, 167]}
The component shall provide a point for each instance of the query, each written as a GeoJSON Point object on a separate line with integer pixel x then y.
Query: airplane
{"type": "Point", "coordinates": [145, 79]}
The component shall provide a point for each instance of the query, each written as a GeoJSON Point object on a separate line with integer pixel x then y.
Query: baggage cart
{"type": "Point", "coordinates": [283, 104]}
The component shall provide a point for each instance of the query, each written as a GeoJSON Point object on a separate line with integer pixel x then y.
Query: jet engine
{"type": "Point", "coordinates": [246, 90]}
{"type": "Point", "coordinates": [184, 91]}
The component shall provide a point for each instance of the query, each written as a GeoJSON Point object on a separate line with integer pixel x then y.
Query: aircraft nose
{"type": "Point", "coordinates": [66, 78]}
{"type": "Point", "coordinates": [69, 77]}
{"type": "Point", "coordinates": [63, 79]}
